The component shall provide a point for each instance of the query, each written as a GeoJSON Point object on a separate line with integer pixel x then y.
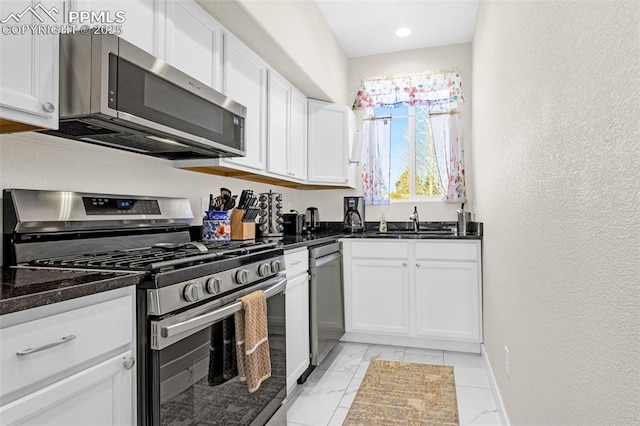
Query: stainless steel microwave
{"type": "Point", "coordinates": [116, 95]}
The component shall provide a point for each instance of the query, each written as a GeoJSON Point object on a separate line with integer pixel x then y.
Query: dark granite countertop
{"type": "Point", "coordinates": [326, 236]}
{"type": "Point", "coordinates": [29, 288]}
{"type": "Point", "coordinates": [309, 240]}
{"type": "Point", "coordinates": [422, 235]}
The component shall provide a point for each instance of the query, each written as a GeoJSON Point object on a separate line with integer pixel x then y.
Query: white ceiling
{"type": "Point", "coordinates": [367, 27]}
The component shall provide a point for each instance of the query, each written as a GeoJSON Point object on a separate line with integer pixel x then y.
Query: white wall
{"type": "Point", "coordinates": [37, 161]}
{"type": "Point", "coordinates": [413, 61]}
{"type": "Point", "coordinates": [557, 166]}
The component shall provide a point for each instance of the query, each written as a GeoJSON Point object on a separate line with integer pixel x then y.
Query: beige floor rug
{"type": "Point", "coordinates": [402, 393]}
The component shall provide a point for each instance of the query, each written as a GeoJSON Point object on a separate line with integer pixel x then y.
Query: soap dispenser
{"type": "Point", "coordinates": [383, 224]}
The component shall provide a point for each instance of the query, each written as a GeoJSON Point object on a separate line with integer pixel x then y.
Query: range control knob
{"type": "Point", "coordinates": [193, 292]}
{"type": "Point", "coordinates": [242, 276]}
{"type": "Point", "coordinates": [276, 266]}
{"type": "Point", "coordinates": [264, 270]}
{"type": "Point", "coordinates": [213, 285]}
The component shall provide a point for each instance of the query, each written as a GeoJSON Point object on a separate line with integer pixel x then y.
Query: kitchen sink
{"type": "Point", "coordinates": [409, 233]}
{"type": "Point", "coordinates": [422, 231]}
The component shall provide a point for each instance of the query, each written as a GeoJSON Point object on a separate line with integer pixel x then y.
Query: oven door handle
{"type": "Point", "coordinates": [211, 317]}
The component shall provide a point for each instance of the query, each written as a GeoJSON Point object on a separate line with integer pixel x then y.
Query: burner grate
{"type": "Point", "coordinates": [151, 258]}
{"type": "Point", "coordinates": [137, 259]}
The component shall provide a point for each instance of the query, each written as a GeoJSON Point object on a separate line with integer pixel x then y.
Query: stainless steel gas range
{"type": "Point", "coordinates": [186, 365]}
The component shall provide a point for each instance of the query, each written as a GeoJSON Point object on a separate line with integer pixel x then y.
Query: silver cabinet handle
{"type": "Point", "coordinates": [48, 107]}
{"type": "Point", "coordinates": [129, 363]}
{"type": "Point", "coordinates": [404, 263]}
{"type": "Point", "coordinates": [417, 265]}
{"type": "Point", "coordinates": [28, 351]}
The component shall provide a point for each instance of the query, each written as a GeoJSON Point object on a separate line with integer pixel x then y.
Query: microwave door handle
{"type": "Point", "coordinates": [211, 317]}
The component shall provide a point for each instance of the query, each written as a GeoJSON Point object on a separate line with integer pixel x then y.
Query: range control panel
{"type": "Point", "coordinates": [119, 206]}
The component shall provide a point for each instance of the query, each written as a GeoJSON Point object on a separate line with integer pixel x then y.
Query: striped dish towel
{"type": "Point", "coordinates": [252, 344]}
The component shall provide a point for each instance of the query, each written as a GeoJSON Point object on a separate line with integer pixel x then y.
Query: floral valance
{"type": "Point", "coordinates": [441, 91]}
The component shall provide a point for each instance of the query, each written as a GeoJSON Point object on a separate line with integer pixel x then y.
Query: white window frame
{"type": "Point", "coordinates": [413, 197]}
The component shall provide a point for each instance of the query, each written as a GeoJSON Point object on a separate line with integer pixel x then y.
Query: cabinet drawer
{"type": "Point", "coordinates": [297, 262]}
{"type": "Point", "coordinates": [447, 250]}
{"type": "Point", "coordinates": [98, 329]}
{"type": "Point", "coordinates": [380, 249]}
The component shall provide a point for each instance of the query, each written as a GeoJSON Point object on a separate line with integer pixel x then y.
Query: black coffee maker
{"type": "Point", "coordinates": [354, 214]}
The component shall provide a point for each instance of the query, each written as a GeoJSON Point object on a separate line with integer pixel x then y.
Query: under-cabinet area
{"type": "Point", "coordinates": [424, 294]}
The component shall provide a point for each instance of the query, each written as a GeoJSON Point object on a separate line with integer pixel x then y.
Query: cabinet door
{"type": "Point", "coordinates": [278, 142]}
{"type": "Point", "coordinates": [139, 26]}
{"type": "Point", "coordinates": [297, 308]}
{"type": "Point", "coordinates": [194, 42]}
{"type": "Point", "coordinates": [29, 65]}
{"type": "Point", "coordinates": [100, 395]}
{"type": "Point", "coordinates": [298, 136]}
{"type": "Point", "coordinates": [245, 78]}
{"type": "Point", "coordinates": [380, 296]}
{"type": "Point", "coordinates": [328, 142]}
{"type": "Point", "coordinates": [448, 300]}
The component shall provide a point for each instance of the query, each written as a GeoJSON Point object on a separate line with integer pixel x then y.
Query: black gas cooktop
{"type": "Point", "coordinates": [154, 259]}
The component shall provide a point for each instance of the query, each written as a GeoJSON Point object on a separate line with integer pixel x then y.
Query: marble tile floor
{"type": "Point", "coordinates": [326, 396]}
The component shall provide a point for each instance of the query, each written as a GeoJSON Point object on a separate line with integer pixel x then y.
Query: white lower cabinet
{"type": "Point", "coordinates": [381, 289]}
{"type": "Point", "coordinates": [70, 363]}
{"type": "Point", "coordinates": [297, 309]}
{"type": "Point", "coordinates": [414, 293]}
{"type": "Point", "coordinates": [99, 395]}
{"type": "Point", "coordinates": [447, 296]}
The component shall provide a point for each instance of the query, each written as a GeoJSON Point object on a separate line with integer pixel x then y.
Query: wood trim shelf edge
{"type": "Point", "coordinates": [239, 174]}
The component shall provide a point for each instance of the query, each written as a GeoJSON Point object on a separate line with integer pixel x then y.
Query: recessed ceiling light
{"type": "Point", "coordinates": [403, 32]}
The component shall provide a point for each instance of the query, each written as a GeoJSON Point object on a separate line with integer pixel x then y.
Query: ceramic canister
{"type": "Point", "coordinates": [216, 226]}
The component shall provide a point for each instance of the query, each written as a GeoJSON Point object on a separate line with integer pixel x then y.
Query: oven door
{"type": "Point", "coordinates": [193, 367]}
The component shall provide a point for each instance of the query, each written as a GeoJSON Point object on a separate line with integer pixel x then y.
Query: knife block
{"type": "Point", "coordinates": [241, 230]}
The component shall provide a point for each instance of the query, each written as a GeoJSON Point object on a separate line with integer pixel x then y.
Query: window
{"type": "Point", "coordinates": [414, 168]}
{"type": "Point", "coordinates": [416, 151]}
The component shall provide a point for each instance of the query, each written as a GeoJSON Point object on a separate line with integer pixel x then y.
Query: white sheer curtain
{"type": "Point", "coordinates": [376, 166]}
{"type": "Point", "coordinates": [449, 153]}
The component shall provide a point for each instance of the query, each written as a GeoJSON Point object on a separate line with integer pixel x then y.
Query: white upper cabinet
{"type": "Point", "coordinates": [328, 143]}
{"type": "Point", "coordinates": [193, 42]}
{"type": "Point", "coordinates": [141, 17]}
{"type": "Point", "coordinates": [298, 135]}
{"type": "Point", "coordinates": [245, 81]}
{"type": "Point", "coordinates": [279, 107]}
{"type": "Point", "coordinates": [287, 129]}
{"type": "Point", "coordinates": [29, 66]}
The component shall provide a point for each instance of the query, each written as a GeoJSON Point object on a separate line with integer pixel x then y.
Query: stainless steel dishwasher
{"type": "Point", "coordinates": [326, 308]}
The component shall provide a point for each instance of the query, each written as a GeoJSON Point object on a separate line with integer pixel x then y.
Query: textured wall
{"type": "Point", "coordinates": [557, 162]}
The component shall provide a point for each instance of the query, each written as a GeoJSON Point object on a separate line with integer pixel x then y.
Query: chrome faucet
{"type": "Point", "coordinates": [415, 219]}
